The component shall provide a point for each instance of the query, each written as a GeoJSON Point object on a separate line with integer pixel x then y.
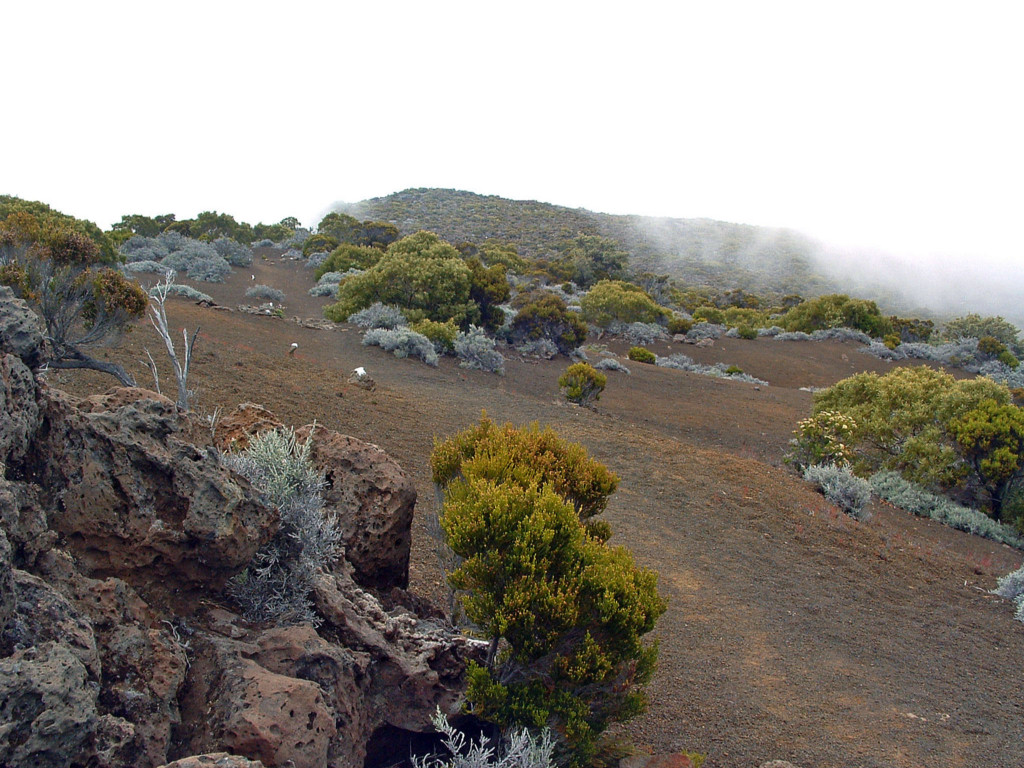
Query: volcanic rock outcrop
{"type": "Point", "coordinates": [120, 526]}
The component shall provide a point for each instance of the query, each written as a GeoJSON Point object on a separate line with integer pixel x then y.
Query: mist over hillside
{"type": "Point", "coordinates": [706, 252]}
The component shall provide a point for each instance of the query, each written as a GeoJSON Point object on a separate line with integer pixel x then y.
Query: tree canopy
{"type": "Point", "coordinates": [60, 271]}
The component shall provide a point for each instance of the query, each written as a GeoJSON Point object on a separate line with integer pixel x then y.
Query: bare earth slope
{"type": "Point", "coordinates": [792, 632]}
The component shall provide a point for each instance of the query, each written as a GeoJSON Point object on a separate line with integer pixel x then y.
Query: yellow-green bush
{"type": "Point", "coordinates": [641, 355]}
{"type": "Point", "coordinates": [564, 614]}
{"type": "Point", "coordinates": [582, 383]}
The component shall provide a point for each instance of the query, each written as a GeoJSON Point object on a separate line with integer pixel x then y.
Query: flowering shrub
{"type": "Point", "coordinates": [822, 439]}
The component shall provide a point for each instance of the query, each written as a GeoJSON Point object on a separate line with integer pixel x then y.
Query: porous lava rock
{"type": "Point", "coordinates": [373, 499]}
{"type": "Point", "coordinates": [119, 645]}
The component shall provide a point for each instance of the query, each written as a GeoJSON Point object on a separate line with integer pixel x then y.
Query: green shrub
{"type": "Point", "coordinates": [318, 244]}
{"type": "Point", "coordinates": [442, 335]}
{"type": "Point", "coordinates": [709, 315]}
{"type": "Point", "coordinates": [543, 315]}
{"type": "Point", "coordinates": [564, 614]}
{"type": "Point", "coordinates": [581, 384]}
{"type": "Point", "coordinates": [977, 327]}
{"type": "Point", "coordinates": [837, 311]}
{"type": "Point", "coordinates": [747, 332]}
{"type": "Point", "coordinates": [346, 257]}
{"type": "Point", "coordinates": [641, 355]}
{"type": "Point", "coordinates": [933, 429]}
{"type": "Point", "coordinates": [420, 274]}
{"type": "Point", "coordinates": [679, 325]}
{"type": "Point", "coordinates": [617, 301]}
{"type": "Point", "coordinates": [891, 340]}
{"type": "Point", "coordinates": [733, 370]}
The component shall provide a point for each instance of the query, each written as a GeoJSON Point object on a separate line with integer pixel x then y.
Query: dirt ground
{"type": "Point", "coordinates": [793, 632]}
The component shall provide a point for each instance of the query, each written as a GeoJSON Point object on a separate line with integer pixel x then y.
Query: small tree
{"type": "Point", "coordinates": [59, 271]}
{"type": "Point", "coordinates": [582, 384]}
{"type": "Point", "coordinates": [564, 613]}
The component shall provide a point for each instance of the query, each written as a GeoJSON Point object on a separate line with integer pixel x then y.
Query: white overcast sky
{"type": "Point", "coordinates": [894, 124]}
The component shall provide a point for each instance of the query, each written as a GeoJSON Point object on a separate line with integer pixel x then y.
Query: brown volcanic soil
{"type": "Point", "coordinates": [793, 632]}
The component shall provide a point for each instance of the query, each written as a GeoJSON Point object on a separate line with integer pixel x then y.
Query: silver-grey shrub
{"type": "Point", "coordinates": [378, 316]}
{"type": "Point", "coordinates": [212, 270]}
{"type": "Point", "coordinates": [233, 252]}
{"type": "Point", "coordinates": [962, 353]}
{"type": "Point", "coordinates": [521, 749]}
{"type": "Point", "coordinates": [140, 248]}
{"type": "Point", "coordinates": [277, 583]}
{"type": "Point", "coordinates": [683, 362]}
{"type": "Point", "coordinates": [1011, 586]}
{"type": "Point", "coordinates": [544, 348]}
{"type": "Point", "coordinates": [841, 334]}
{"type": "Point", "coordinates": [638, 333]}
{"type": "Point", "coordinates": [188, 292]}
{"type": "Point", "coordinates": [402, 342]}
{"type": "Point", "coordinates": [260, 291]}
{"type": "Point", "coordinates": [475, 349]}
{"type": "Point", "coordinates": [610, 364]}
{"type": "Point", "coordinates": [843, 488]}
{"type": "Point", "coordinates": [895, 489]}
{"type": "Point", "coordinates": [324, 289]}
{"type": "Point", "coordinates": [138, 267]}
{"type": "Point", "coordinates": [793, 336]}
{"type": "Point", "coordinates": [316, 259]}
{"type": "Point", "coordinates": [1004, 374]}
{"type": "Point", "coordinates": [705, 331]}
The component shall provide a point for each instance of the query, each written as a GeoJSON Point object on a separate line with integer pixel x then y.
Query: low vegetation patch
{"type": "Point", "coordinates": [276, 585]}
{"type": "Point", "coordinates": [843, 488]}
{"type": "Point", "coordinates": [641, 355]}
{"type": "Point", "coordinates": [899, 491]}
{"type": "Point", "coordinates": [264, 292]}
{"type": "Point", "coordinates": [582, 384]}
{"type": "Point", "coordinates": [402, 342]}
